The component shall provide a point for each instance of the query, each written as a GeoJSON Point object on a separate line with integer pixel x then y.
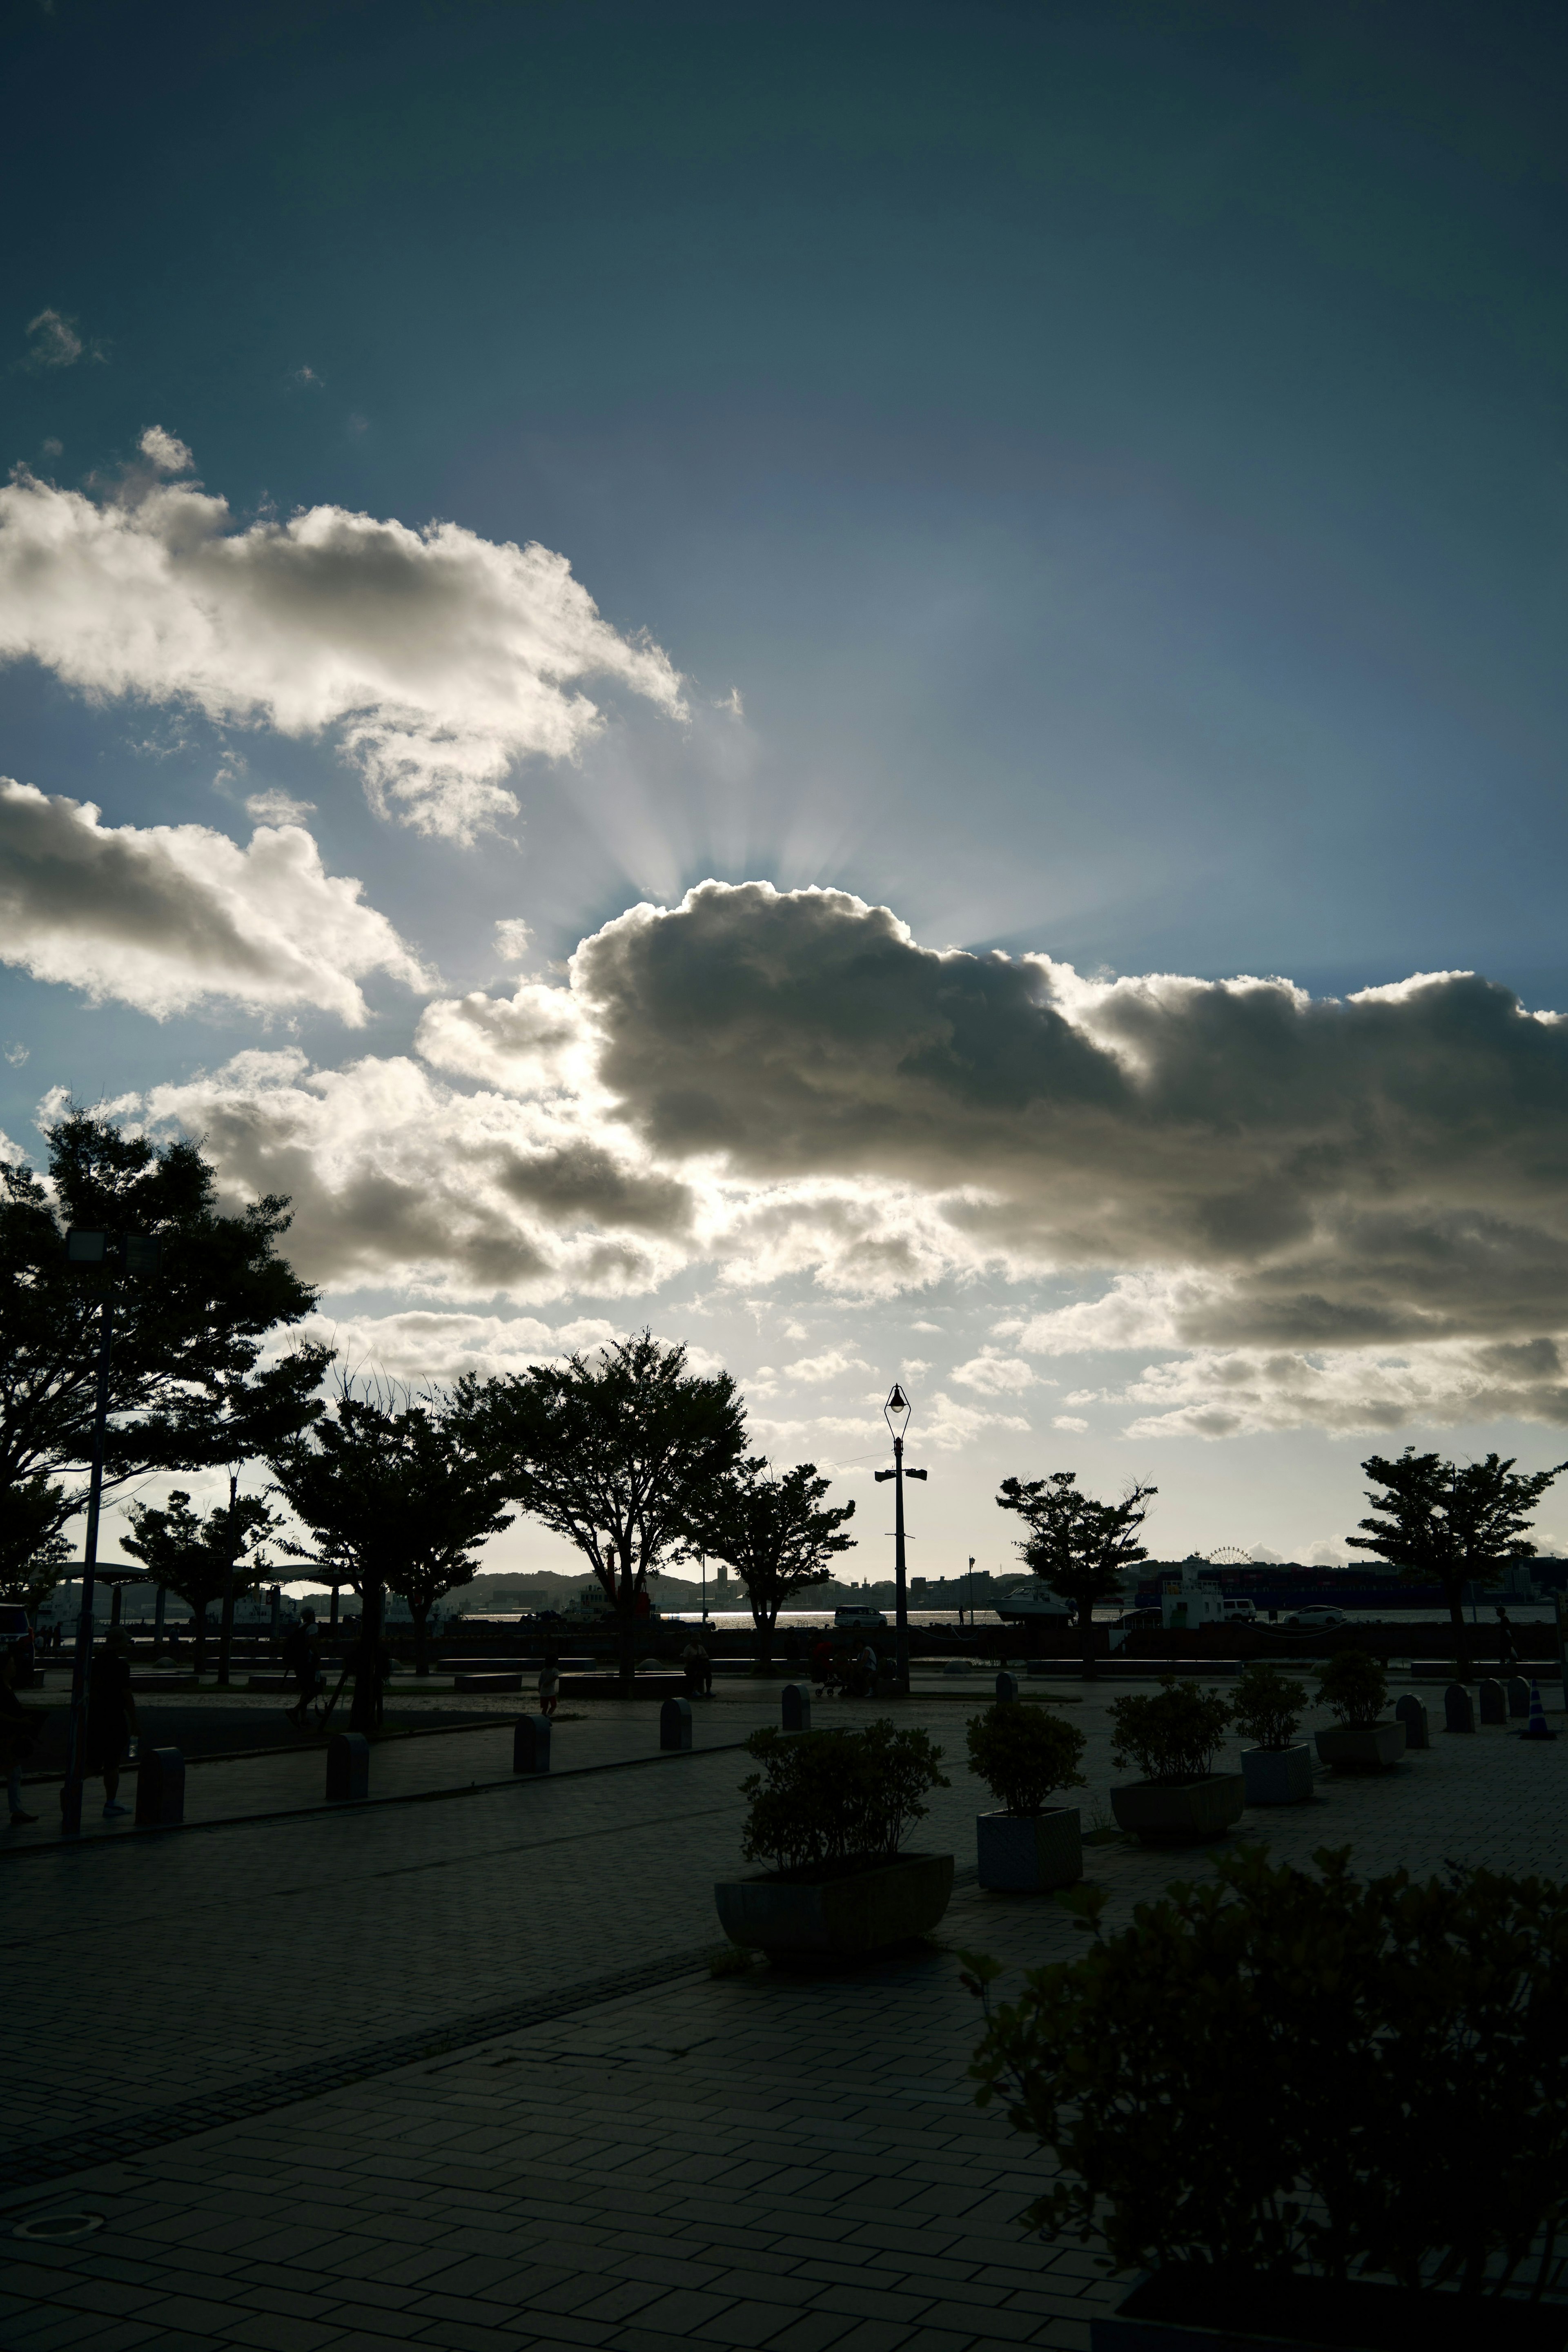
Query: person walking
{"type": "Point", "coordinates": [18, 1733]}
{"type": "Point", "coordinates": [548, 1687]}
{"type": "Point", "coordinates": [110, 1715]}
{"type": "Point", "coordinates": [302, 1658]}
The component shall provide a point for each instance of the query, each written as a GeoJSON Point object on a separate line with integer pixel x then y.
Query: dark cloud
{"type": "Point", "coordinates": [1391, 1166]}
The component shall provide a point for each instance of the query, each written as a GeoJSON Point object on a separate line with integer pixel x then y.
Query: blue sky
{"type": "Point", "coordinates": [1089, 480]}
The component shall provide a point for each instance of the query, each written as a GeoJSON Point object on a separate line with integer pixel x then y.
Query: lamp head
{"type": "Point", "coordinates": [896, 1412]}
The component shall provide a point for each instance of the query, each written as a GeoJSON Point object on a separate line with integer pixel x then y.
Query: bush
{"type": "Point", "coordinates": [1287, 2071]}
{"type": "Point", "coordinates": [1266, 1705]}
{"type": "Point", "coordinates": [826, 1798]}
{"type": "Point", "coordinates": [1355, 1685]}
{"type": "Point", "coordinates": [1173, 1734]}
{"type": "Point", "coordinates": [1024, 1755]}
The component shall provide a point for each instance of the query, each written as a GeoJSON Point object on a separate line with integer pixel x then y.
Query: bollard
{"type": "Point", "coordinates": [531, 1744]}
{"type": "Point", "coordinates": [1413, 1716]}
{"type": "Point", "coordinates": [1494, 1707]}
{"type": "Point", "coordinates": [1006, 1686]}
{"type": "Point", "coordinates": [1518, 1691]}
{"type": "Point", "coordinates": [675, 1726]}
{"type": "Point", "coordinates": [160, 1789]}
{"type": "Point", "coordinates": [348, 1768]}
{"type": "Point", "coordinates": [1459, 1713]}
{"type": "Point", "coordinates": [796, 1707]}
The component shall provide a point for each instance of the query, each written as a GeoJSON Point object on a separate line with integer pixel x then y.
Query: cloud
{"type": "Point", "coordinates": [951, 1426]}
{"type": "Point", "coordinates": [16, 1053]}
{"type": "Point", "coordinates": [1350, 1215]}
{"type": "Point", "coordinates": [513, 938]}
{"type": "Point", "coordinates": [831, 1365]}
{"type": "Point", "coordinates": [52, 341]}
{"type": "Point", "coordinates": [167, 917]}
{"type": "Point", "coordinates": [423, 1344]}
{"type": "Point", "coordinates": [163, 453]}
{"type": "Point", "coordinates": [1071, 1422]}
{"type": "Point", "coordinates": [277, 808]}
{"type": "Point", "coordinates": [436, 658]}
{"type": "Point", "coordinates": [996, 1375]}
{"type": "Point", "coordinates": [400, 1182]}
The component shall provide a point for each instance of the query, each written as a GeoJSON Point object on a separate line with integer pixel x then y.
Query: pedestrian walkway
{"type": "Point", "coordinates": [548, 2124]}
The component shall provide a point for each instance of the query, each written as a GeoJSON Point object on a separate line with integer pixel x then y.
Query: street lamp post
{"type": "Point", "coordinates": [896, 1414]}
{"type": "Point", "coordinates": [127, 1254]}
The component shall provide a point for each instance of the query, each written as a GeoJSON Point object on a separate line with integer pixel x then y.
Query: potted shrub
{"type": "Point", "coordinates": [1023, 1756]}
{"type": "Point", "coordinates": [1265, 1706]}
{"type": "Point", "coordinates": [1171, 1738]}
{"type": "Point", "coordinates": [1279, 2089]}
{"type": "Point", "coordinates": [828, 1812]}
{"type": "Point", "coordinates": [1355, 1684]}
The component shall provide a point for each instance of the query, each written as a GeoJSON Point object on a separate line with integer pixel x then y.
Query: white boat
{"type": "Point", "coordinates": [1033, 1603]}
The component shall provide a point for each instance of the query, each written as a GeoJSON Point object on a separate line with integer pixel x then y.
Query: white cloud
{"type": "Point", "coordinates": [831, 1365]}
{"type": "Point", "coordinates": [996, 1375]}
{"type": "Point", "coordinates": [535, 1039]}
{"type": "Point", "coordinates": [513, 938]}
{"type": "Point", "coordinates": [278, 808]}
{"type": "Point", "coordinates": [16, 1053]}
{"type": "Point", "coordinates": [439, 658]}
{"type": "Point", "coordinates": [423, 1344]}
{"type": "Point", "coordinates": [1236, 1393]}
{"type": "Point", "coordinates": [951, 1426]}
{"type": "Point", "coordinates": [163, 452]}
{"type": "Point", "coordinates": [53, 341]}
{"type": "Point", "coordinates": [1071, 1422]}
{"type": "Point", "coordinates": [164, 916]}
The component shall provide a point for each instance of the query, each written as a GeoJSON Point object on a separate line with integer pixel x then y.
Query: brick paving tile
{"type": "Point", "coordinates": [375, 2318]}
{"type": "Point", "coordinates": [272, 2331]}
{"type": "Point", "coordinates": [813, 2331]}
{"type": "Point", "coordinates": [1007, 2326]}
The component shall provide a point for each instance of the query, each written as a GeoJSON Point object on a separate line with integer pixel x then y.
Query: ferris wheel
{"type": "Point", "coordinates": [1230, 1556]}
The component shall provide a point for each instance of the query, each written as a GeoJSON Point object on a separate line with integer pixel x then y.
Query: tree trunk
{"type": "Point", "coordinates": [626, 1639]}
{"type": "Point", "coordinates": [226, 1632]}
{"type": "Point", "coordinates": [421, 1637]}
{"type": "Point", "coordinates": [765, 1625]}
{"type": "Point", "coordinates": [1086, 1632]}
{"type": "Point", "coordinates": [367, 1663]}
{"type": "Point", "coordinates": [1461, 1638]}
{"type": "Point", "coordinates": [200, 1608]}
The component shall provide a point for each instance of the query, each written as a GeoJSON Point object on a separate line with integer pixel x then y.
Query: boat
{"type": "Point", "coordinates": [1032, 1604]}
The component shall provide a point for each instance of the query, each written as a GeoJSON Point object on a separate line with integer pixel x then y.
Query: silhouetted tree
{"type": "Point", "coordinates": [1451, 1523]}
{"type": "Point", "coordinates": [774, 1532]}
{"type": "Point", "coordinates": [32, 1553]}
{"type": "Point", "coordinates": [397, 1496]}
{"type": "Point", "coordinates": [217, 1558]}
{"type": "Point", "coordinates": [185, 1389]}
{"type": "Point", "coordinates": [1079, 1547]}
{"type": "Point", "coordinates": [616, 1453]}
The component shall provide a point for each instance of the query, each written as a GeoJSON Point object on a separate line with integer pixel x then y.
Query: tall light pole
{"type": "Point", "coordinates": [896, 1414]}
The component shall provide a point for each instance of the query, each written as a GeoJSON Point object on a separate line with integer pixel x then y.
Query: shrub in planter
{"type": "Point", "coordinates": [1282, 2073]}
{"type": "Point", "coordinates": [1024, 1755]}
{"type": "Point", "coordinates": [1265, 1708]}
{"type": "Point", "coordinates": [1171, 1738]}
{"type": "Point", "coordinates": [828, 1812]}
{"type": "Point", "coordinates": [1355, 1685]}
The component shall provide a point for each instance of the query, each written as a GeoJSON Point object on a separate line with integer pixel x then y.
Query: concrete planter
{"type": "Point", "coordinates": [1197, 2309]}
{"type": "Point", "coordinates": [1027, 1853]}
{"type": "Point", "coordinates": [1180, 1813]}
{"type": "Point", "coordinates": [1376, 1748]}
{"type": "Point", "coordinates": [1277, 1776]}
{"type": "Point", "coordinates": [842, 1914]}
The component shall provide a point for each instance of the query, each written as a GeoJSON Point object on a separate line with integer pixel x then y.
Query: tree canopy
{"type": "Point", "coordinates": [396, 1494]}
{"type": "Point", "coordinates": [1451, 1523]}
{"type": "Point", "coordinates": [184, 1387]}
{"type": "Point", "coordinates": [1079, 1547]}
{"type": "Point", "coordinates": [774, 1532]}
{"type": "Point", "coordinates": [613, 1451]}
{"type": "Point", "coordinates": [203, 1561]}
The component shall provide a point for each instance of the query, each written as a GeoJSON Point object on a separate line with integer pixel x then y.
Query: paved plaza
{"type": "Point", "coordinates": [451, 2070]}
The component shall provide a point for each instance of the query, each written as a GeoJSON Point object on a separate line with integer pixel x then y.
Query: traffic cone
{"type": "Point", "coordinates": [1537, 1728]}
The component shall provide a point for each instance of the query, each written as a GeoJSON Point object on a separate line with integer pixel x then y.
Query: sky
{"type": "Point", "coordinates": [879, 686]}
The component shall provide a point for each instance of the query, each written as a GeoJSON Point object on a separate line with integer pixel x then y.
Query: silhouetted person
{"type": "Point", "coordinates": [111, 1717]}
{"type": "Point", "coordinates": [16, 1733]}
